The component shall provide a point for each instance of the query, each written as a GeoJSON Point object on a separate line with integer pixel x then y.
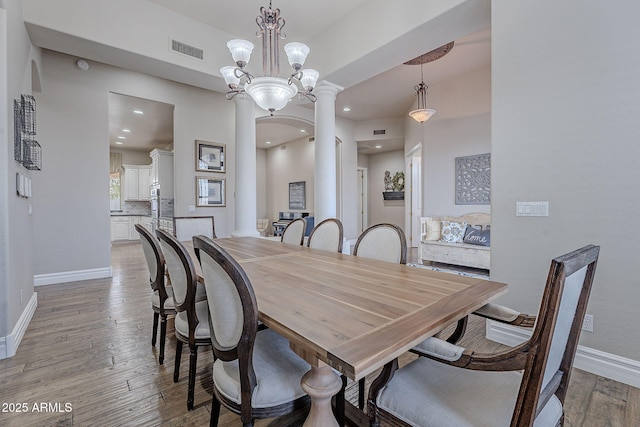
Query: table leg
{"type": "Point", "coordinates": [321, 384]}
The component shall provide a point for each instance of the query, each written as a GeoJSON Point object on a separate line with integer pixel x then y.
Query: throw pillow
{"type": "Point", "coordinates": [434, 230]}
{"type": "Point", "coordinates": [453, 232]}
{"type": "Point", "coordinates": [477, 237]}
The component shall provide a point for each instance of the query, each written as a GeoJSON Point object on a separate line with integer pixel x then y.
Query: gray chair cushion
{"type": "Point", "coordinates": [168, 304]}
{"type": "Point", "coordinates": [428, 393]}
{"type": "Point", "coordinates": [202, 330]}
{"type": "Point", "coordinates": [278, 372]}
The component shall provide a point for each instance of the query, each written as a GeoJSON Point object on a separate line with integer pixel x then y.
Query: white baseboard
{"type": "Point", "coordinates": [71, 276]}
{"type": "Point", "coordinates": [597, 362]}
{"type": "Point", "coordinates": [10, 343]}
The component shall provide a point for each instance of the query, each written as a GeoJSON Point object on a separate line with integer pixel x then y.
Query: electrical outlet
{"type": "Point", "coordinates": [587, 323]}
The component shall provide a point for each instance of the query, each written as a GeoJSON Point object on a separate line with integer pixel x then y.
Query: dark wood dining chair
{"type": "Point", "coordinates": [522, 386]}
{"type": "Point", "coordinates": [190, 302]}
{"type": "Point", "coordinates": [294, 232]}
{"type": "Point", "coordinates": [162, 297]}
{"type": "Point", "coordinates": [327, 235]}
{"type": "Point", "coordinates": [185, 227]}
{"type": "Point", "coordinates": [255, 373]}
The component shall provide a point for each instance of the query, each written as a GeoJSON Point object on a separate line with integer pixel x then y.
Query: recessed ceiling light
{"type": "Point", "coordinates": [347, 109]}
{"type": "Point", "coordinates": [126, 130]}
{"type": "Point", "coordinates": [302, 130]}
{"type": "Point", "coordinates": [267, 142]}
{"type": "Point", "coordinates": [122, 137]}
{"type": "Point", "coordinates": [138, 111]}
{"type": "Point", "coordinates": [119, 142]}
{"type": "Point", "coordinates": [378, 146]}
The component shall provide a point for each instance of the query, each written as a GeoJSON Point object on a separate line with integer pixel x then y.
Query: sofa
{"type": "Point", "coordinates": [462, 241]}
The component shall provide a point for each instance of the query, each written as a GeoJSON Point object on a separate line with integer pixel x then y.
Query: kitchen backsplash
{"type": "Point", "coordinates": [136, 208]}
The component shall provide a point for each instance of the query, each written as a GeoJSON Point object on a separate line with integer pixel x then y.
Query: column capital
{"type": "Point", "coordinates": [326, 87]}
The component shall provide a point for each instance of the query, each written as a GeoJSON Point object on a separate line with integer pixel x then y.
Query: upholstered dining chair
{"type": "Point", "coordinates": [327, 235]}
{"type": "Point", "coordinates": [255, 373]}
{"type": "Point", "coordinates": [294, 232]}
{"type": "Point", "coordinates": [162, 297]}
{"type": "Point", "coordinates": [384, 242]}
{"type": "Point", "coordinates": [190, 302]}
{"type": "Point", "coordinates": [185, 227]}
{"type": "Point", "coordinates": [523, 386]}
{"type": "Point", "coordinates": [262, 226]}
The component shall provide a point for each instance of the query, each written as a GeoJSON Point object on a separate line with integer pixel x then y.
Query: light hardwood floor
{"type": "Point", "coordinates": [88, 347]}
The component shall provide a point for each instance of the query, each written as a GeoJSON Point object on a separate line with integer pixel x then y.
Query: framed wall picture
{"type": "Point", "coordinates": [210, 191]}
{"type": "Point", "coordinates": [297, 197]}
{"type": "Point", "coordinates": [210, 156]}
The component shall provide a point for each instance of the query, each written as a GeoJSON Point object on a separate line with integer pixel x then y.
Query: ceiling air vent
{"type": "Point", "coordinates": [312, 138]}
{"type": "Point", "coordinates": [379, 131]}
{"type": "Point", "coordinates": [283, 147]}
{"type": "Point", "coordinates": [186, 49]}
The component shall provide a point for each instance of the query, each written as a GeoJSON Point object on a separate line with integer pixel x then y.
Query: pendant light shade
{"type": "Point", "coordinates": [270, 93]}
{"type": "Point", "coordinates": [422, 113]}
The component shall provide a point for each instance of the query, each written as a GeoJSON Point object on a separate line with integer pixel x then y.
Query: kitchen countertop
{"type": "Point", "coordinates": [115, 213]}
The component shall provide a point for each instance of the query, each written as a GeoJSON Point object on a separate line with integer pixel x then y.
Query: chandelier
{"type": "Point", "coordinates": [271, 92]}
{"type": "Point", "coordinates": [422, 113]}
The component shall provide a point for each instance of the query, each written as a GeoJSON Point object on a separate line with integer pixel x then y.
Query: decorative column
{"type": "Point", "coordinates": [325, 151]}
{"type": "Point", "coordinates": [245, 172]}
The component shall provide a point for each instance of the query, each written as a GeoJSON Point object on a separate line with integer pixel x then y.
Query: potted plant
{"type": "Point", "coordinates": [394, 186]}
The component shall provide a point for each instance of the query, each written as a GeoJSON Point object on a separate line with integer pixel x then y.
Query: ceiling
{"type": "Point", "coordinates": [385, 95]}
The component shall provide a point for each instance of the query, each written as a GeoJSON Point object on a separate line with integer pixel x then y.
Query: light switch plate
{"type": "Point", "coordinates": [532, 208]}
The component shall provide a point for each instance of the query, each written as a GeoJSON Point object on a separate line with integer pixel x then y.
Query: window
{"type": "Point", "coordinates": [114, 191]}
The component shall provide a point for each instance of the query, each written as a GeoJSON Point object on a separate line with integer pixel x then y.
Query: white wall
{"type": "Point", "coordinates": [565, 130]}
{"type": "Point", "coordinates": [19, 61]}
{"type": "Point", "coordinates": [461, 127]}
{"type": "Point", "coordinates": [380, 210]}
{"type": "Point", "coordinates": [261, 187]}
{"type": "Point", "coordinates": [133, 157]}
{"type": "Point", "coordinates": [290, 162]}
{"type": "Point", "coordinates": [71, 212]}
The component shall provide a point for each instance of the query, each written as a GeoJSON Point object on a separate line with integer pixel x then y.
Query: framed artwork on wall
{"type": "Point", "coordinates": [210, 156]}
{"type": "Point", "coordinates": [297, 196]}
{"type": "Point", "coordinates": [210, 191]}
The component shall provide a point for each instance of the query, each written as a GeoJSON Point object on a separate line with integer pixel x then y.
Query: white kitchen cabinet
{"type": "Point", "coordinates": [166, 224]}
{"type": "Point", "coordinates": [120, 228]}
{"type": "Point", "coordinates": [136, 182]}
{"type": "Point", "coordinates": [162, 172]}
{"type": "Point", "coordinates": [133, 233]}
{"type": "Point", "coordinates": [145, 221]}
{"type": "Point", "coordinates": [124, 227]}
{"type": "Point", "coordinates": [144, 182]}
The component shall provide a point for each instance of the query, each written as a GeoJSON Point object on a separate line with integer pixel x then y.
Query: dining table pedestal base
{"type": "Point", "coordinates": [321, 384]}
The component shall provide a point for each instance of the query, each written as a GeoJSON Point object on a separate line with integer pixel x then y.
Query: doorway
{"type": "Point", "coordinates": [413, 203]}
{"type": "Point", "coordinates": [362, 200]}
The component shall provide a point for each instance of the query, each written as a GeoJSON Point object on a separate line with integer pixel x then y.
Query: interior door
{"type": "Point", "coordinates": [416, 199]}
{"type": "Point", "coordinates": [362, 200]}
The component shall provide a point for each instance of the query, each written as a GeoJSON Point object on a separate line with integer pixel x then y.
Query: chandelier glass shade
{"type": "Point", "coordinates": [422, 114]}
{"type": "Point", "coordinates": [271, 92]}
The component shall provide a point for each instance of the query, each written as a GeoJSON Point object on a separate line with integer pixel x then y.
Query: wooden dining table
{"type": "Point", "coordinates": [350, 313]}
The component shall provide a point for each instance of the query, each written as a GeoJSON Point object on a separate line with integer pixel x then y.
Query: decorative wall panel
{"type": "Point", "coordinates": [473, 180]}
